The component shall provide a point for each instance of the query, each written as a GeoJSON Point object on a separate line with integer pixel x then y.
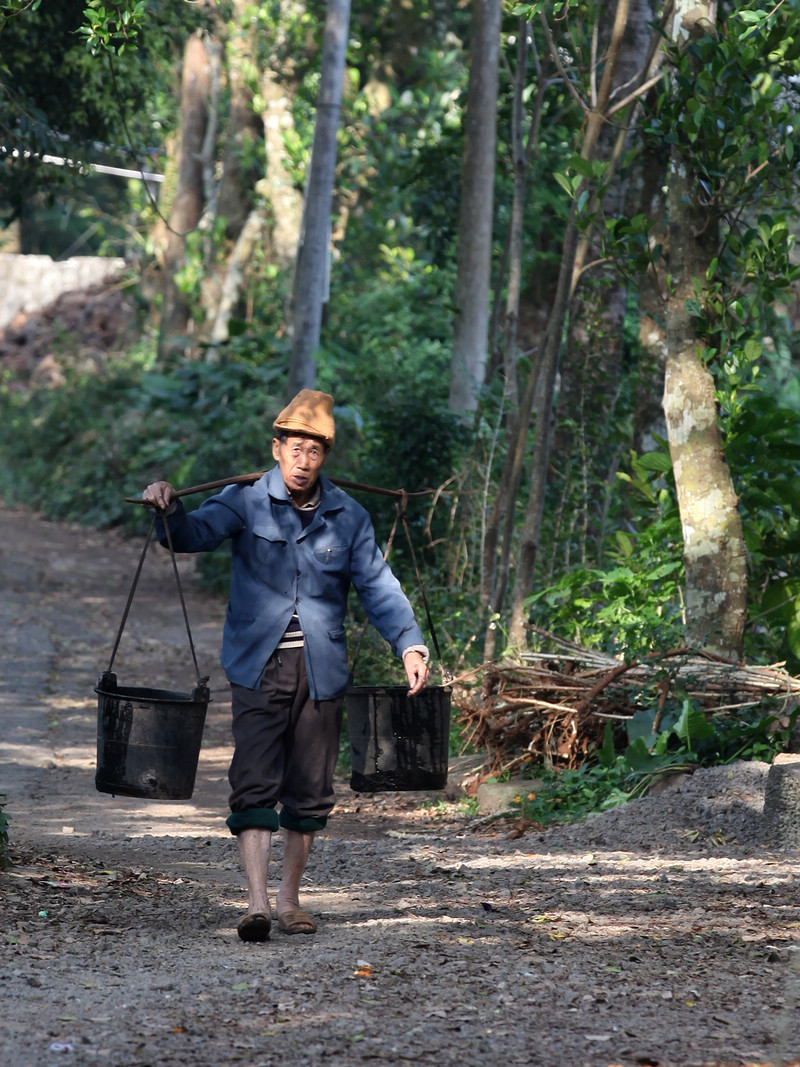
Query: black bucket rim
{"type": "Point", "coordinates": [398, 743]}
{"type": "Point", "coordinates": [357, 690]}
{"type": "Point", "coordinates": [150, 695]}
{"type": "Point", "coordinates": [149, 741]}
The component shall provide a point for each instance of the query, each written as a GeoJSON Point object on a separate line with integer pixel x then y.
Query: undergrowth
{"type": "Point", "coordinates": [690, 740]}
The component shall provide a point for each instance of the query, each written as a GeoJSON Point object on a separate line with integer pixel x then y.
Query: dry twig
{"type": "Point", "coordinates": [553, 706]}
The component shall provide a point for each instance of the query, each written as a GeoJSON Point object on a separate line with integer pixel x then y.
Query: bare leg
{"type": "Point", "coordinates": [254, 849]}
{"type": "Point", "coordinates": [296, 849]}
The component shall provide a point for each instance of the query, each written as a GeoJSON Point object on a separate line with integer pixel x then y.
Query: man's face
{"type": "Point", "coordinates": [300, 460]}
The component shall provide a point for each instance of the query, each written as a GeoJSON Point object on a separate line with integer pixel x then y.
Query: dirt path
{"type": "Point", "coordinates": [662, 933]}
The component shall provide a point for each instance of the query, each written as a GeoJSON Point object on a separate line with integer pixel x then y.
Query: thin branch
{"type": "Point", "coordinates": [635, 95]}
{"type": "Point", "coordinates": [553, 49]}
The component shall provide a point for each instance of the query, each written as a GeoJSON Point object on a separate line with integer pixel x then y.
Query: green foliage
{"type": "Point", "coordinates": [633, 604]}
{"type": "Point", "coordinates": [9, 9]}
{"type": "Point", "coordinates": [610, 563]}
{"type": "Point", "coordinates": [631, 601]}
{"type": "Point", "coordinates": [780, 613]}
{"type": "Point", "coordinates": [731, 111]}
{"type": "Point", "coordinates": [768, 483]}
{"type": "Point", "coordinates": [728, 107]}
{"type": "Point", "coordinates": [57, 99]}
{"type": "Point", "coordinates": [673, 745]}
{"type": "Point", "coordinates": [729, 94]}
{"type": "Point", "coordinates": [392, 324]}
{"type": "Point", "coordinates": [568, 796]}
{"type": "Point", "coordinates": [114, 29]}
{"type": "Point", "coordinates": [76, 451]}
{"type": "Point", "coordinates": [659, 743]}
{"type": "Point", "coordinates": [683, 733]}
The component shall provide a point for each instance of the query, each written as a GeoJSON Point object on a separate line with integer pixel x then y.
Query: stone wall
{"type": "Point", "coordinates": [28, 283]}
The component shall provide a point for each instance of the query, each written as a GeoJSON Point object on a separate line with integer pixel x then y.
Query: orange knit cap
{"type": "Point", "coordinates": [309, 414]}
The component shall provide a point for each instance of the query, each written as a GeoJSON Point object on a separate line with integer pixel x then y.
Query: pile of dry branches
{"type": "Point", "coordinates": [554, 706]}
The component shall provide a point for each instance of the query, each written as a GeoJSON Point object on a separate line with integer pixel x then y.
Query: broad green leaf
{"type": "Point", "coordinates": [654, 461]}
{"type": "Point", "coordinates": [640, 728]}
{"type": "Point", "coordinates": [692, 725]}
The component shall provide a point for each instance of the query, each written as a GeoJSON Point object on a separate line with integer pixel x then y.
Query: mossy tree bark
{"type": "Point", "coordinates": [713, 538]}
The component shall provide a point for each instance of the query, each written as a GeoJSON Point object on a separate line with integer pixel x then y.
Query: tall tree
{"type": "Point", "coordinates": [501, 520]}
{"type": "Point", "coordinates": [261, 207]}
{"type": "Point", "coordinates": [713, 538]}
{"type": "Point", "coordinates": [244, 131]}
{"type": "Point", "coordinates": [189, 198]}
{"type": "Point", "coordinates": [313, 258]}
{"type": "Point", "coordinates": [470, 334]}
{"type": "Point", "coordinates": [286, 200]}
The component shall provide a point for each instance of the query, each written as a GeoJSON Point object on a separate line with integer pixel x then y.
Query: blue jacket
{"type": "Point", "coordinates": [278, 568]}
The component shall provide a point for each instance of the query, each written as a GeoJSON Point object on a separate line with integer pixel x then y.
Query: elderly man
{"type": "Point", "coordinates": [298, 543]}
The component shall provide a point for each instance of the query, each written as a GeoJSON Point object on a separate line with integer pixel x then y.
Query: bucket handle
{"type": "Point", "coordinates": [200, 681]}
{"type": "Point", "coordinates": [447, 675]}
{"type": "Point", "coordinates": [400, 509]}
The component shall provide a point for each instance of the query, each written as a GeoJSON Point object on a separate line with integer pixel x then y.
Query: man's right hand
{"type": "Point", "coordinates": [159, 494]}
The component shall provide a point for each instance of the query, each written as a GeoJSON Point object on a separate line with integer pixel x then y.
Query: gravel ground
{"type": "Point", "coordinates": [660, 933]}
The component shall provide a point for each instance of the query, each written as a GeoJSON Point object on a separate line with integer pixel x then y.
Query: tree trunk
{"type": "Point", "coordinates": [244, 127]}
{"type": "Point", "coordinates": [251, 235]}
{"type": "Point", "coordinates": [473, 269]}
{"type": "Point", "coordinates": [547, 369]}
{"type": "Point", "coordinates": [713, 538]}
{"type": "Point", "coordinates": [520, 162]}
{"type": "Point", "coordinates": [652, 290]}
{"type": "Point", "coordinates": [262, 213]}
{"type": "Point", "coordinates": [187, 205]}
{"type": "Point", "coordinates": [286, 201]}
{"type": "Point", "coordinates": [313, 256]}
{"type": "Point", "coordinates": [541, 386]}
{"type": "Point", "coordinates": [500, 524]}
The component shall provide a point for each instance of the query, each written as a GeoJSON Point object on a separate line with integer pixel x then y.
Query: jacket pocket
{"type": "Point", "coordinates": [333, 556]}
{"type": "Point", "coordinates": [269, 531]}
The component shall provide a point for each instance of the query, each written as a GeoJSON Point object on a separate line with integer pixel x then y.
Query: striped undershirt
{"type": "Point", "coordinates": [293, 636]}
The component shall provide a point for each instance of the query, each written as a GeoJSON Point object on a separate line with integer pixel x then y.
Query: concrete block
{"type": "Point", "coordinates": [781, 818]}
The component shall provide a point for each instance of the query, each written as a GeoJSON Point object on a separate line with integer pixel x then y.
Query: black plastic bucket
{"type": "Point", "coordinates": [148, 740]}
{"type": "Point", "coordinates": [398, 742]}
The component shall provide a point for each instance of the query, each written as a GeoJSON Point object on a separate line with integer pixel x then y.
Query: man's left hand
{"type": "Point", "coordinates": [416, 671]}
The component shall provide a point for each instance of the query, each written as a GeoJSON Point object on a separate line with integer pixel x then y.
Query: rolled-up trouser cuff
{"type": "Point", "coordinates": [252, 819]}
{"type": "Point", "coordinates": [304, 824]}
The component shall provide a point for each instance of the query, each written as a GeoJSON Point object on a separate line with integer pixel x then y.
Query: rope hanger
{"type": "Point", "coordinates": [201, 681]}
{"type": "Point", "coordinates": [400, 516]}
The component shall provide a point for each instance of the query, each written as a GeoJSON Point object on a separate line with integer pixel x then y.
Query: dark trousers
{"type": "Point", "coordinates": [286, 746]}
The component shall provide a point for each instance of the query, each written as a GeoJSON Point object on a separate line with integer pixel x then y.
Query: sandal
{"type": "Point", "coordinates": [254, 927]}
{"type": "Point", "coordinates": [296, 921]}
